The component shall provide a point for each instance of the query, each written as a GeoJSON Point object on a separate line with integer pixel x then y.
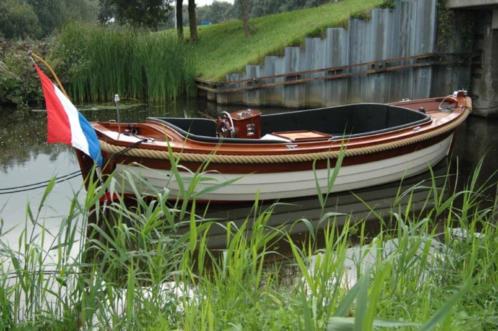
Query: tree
{"type": "Point", "coordinates": [179, 19]}
{"type": "Point", "coordinates": [268, 7]}
{"type": "Point", "coordinates": [50, 14]}
{"type": "Point", "coordinates": [81, 10]}
{"type": "Point", "coordinates": [138, 13]}
{"type": "Point", "coordinates": [192, 21]}
{"type": "Point", "coordinates": [245, 12]}
{"type": "Point", "coordinates": [265, 7]}
{"type": "Point", "coordinates": [39, 18]}
{"type": "Point", "coordinates": [107, 11]}
{"type": "Point", "coordinates": [18, 20]}
{"type": "Point", "coordinates": [219, 11]}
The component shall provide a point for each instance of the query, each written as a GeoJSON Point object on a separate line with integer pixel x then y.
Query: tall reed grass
{"type": "Point", "coordinates": [123, 267]}
{"type": "Point", "coordinates": [98, 62]}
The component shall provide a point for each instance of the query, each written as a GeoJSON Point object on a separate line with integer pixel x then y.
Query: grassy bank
{"type": "Point", "coordinates": [223, 48]}
{"type": "Point", "coordinates": [138, 271]}
{"type": "Point", "coordinates": [97, 62]}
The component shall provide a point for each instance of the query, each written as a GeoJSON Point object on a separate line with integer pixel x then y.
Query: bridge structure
{"type": "Point", "coordinates": [484, 71]}
{"type": "Point", "coordinates": [471, 3]}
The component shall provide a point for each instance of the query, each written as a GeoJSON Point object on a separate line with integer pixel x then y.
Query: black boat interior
{"type": "Point", "coordinates": [341, 121]}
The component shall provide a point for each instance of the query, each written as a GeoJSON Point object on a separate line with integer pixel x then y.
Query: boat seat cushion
{"type": "Point", "coordinates": [348, 120]}
{"type": "Point", "coordinates": [195, 126]}
{"type": "Point", "coordinates": [353, 119]}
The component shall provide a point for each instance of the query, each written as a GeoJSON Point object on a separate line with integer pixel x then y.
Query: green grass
{"type": "Point", "coordinates": [136, 270]}
{"type": "Point", "coordinates": [223, 48]}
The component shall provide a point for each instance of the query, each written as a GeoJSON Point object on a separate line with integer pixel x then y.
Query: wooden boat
{"type": "Point", "coordinates": [285, 155]}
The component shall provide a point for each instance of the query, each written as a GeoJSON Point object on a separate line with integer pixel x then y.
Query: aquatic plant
{"type": "Point", "coordinates": [110, 265]}
{"type": "Point", "coordinates": [98, 62]}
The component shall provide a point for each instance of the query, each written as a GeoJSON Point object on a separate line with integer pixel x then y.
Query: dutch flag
{"type": "Point", "coordinates": [65, 124]}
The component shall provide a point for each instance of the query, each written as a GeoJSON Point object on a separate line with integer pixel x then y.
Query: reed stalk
{"type": "Point", "coordinates": [98, 62]}
{"type": "Point", "coordinates": [116, 266]}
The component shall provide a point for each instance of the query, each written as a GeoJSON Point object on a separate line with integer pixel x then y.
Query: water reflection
{"type": "Point", "coordinates": [22, 137]}
{"type": "Point", "coordinates": [299, 216]}
{"type": "Point", "coordinates": [477, 138]}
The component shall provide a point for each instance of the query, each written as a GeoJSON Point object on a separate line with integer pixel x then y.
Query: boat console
{"type": "Point", "coordinates": [239, 124]}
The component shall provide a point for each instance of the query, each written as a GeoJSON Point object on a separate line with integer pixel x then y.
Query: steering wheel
{"type": "Point", "coordinates": [225, 127]}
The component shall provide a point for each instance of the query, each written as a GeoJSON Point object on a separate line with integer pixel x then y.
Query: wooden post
{"type": "Point", "coordinates": [179, 19]}
{"type": "Point", "coordinates": [192, 21]}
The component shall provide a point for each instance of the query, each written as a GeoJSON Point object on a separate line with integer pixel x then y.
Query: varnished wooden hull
{"type": "Point", "coordinates": [280, 170]}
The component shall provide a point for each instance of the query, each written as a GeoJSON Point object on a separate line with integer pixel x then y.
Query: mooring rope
{"type": "Point", "coordinates": [38, 185]}
{"type": "Point", "coordinates": [299, 157]}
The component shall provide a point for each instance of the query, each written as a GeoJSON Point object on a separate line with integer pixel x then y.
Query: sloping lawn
{"type": "Point", "coordinates": [223, 48]}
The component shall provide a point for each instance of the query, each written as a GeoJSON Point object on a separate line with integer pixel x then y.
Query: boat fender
{"type": "Point", "coordinates": [468, 103]}
{"type": "Point", "coordinates": [463, 99]}
{"type": "Point", "coordinates": [460, 97]}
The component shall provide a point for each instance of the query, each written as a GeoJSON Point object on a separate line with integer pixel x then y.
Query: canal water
{"type": "Point", "coordinates": [25, 159]}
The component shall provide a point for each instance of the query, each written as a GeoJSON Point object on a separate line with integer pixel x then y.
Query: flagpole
{"type": "Point", "coordinates": [118, 119]}
{"type": "Point", "coordinates": [52, 72]}
{"type": "Point", "coordinates": [34, 56]}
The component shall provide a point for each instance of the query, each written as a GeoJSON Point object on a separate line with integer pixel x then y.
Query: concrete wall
{"type": "Point", "coordinates": [482, 15]}
{"type": "Point", "coordinates": [485, 71]}
{"type": "Point", "coordinates": [408, 30]}
{"type": "Point", "coordinates": [470, 3]}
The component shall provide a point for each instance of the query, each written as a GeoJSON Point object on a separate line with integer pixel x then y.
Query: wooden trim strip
{"type": "Point", "coordinates": [282, 158]}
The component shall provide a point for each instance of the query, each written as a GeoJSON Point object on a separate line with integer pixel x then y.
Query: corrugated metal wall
{"type": "Point", "coordinates": [407, 30]}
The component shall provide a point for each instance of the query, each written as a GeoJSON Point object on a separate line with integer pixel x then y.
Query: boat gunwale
{"type": "Point", "coordinates": [202, 148]}
{"type": "Point", "coordinates": [247, 141]}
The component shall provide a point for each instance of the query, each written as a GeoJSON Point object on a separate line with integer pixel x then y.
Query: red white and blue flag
{"type": "Point", "coordinates": [65, 124]}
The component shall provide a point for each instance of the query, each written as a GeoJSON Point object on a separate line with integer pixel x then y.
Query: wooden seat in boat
{"type": "Point", "coordinates": [302, 135]}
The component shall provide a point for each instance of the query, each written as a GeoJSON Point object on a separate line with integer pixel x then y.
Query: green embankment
{"type": "Point", "coordinates": [96, 62]}
{"type": "Point", "coordinates": [223, 48]}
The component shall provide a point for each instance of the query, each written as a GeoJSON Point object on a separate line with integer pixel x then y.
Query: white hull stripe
{"type": "Point", "coordinates": [291, 184]}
